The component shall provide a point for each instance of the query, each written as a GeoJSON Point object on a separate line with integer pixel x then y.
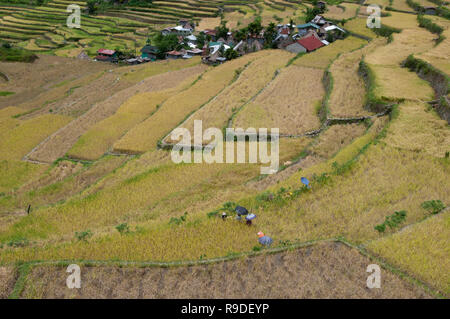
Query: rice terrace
{"type": "Point", "coordinates": [96, 97]}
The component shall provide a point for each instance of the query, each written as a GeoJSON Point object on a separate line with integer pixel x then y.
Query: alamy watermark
{"type": "Point", "coordinates": [74, 19]}
{"type": "Point", "coordinates": [374, 279]}
{"type": "Point", "coordinates": [374, 18]}
{"type": "Point", "coordinates": [258, 142]}
{"type": "Point", "coordinates": [74, 279]}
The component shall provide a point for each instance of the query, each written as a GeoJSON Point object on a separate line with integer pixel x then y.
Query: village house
{"type": "Point", "coordinates": [194, 52]}
{"type": "Point", "coordinates": [239, 48]}
{"type": "Point", "coordinates": [304, 28]}
{"type": "Point", "coordinates": [321, 5]}
{"type": "Point", "coordinates": [215, 47]}
{"type": "Point", "coordinates": [178, 30]}
{"type": "Point", "coordinates": [149, 52]}
{"type": "Point", "coordinates": [319, 20]}
{"type": "Point", "coordinates": [295, 48]}
{"type": "Point", "coordinates": [255, 44]}
{"type": "Point", "coordinates": [430, 10]}
{"type": "Point", "coordinates": [283, 43]}
{"type": "Point", "coordinates": [137, 60]}
{"type": "Point", "coordinates": [310, 43]}
{"type": "Point", "coordinates": [186, 24]}
{"type": "Point", "coordinates": [332, 30]}
{"type": "Point", "coordinates": [192, 39]}
{"type": "Point", "coordinates": [106, 55]}
{"type": "Point", "coordinates": [211, 33]}
{"type": "Point", "coordinates": [174, 54]}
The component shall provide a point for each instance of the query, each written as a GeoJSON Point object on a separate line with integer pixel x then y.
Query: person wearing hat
{"type": "Point", "coordinates": [264, 240]}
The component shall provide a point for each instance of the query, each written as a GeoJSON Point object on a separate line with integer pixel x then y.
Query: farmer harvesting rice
{"type": "Point", "coordinates": [240, 211]}
{"type": "Point", "coordinates": [249, 219]}
{"type": "Point", "coordinates": [264, 240]}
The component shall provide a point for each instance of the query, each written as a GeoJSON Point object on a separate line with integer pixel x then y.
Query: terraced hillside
{"type": "Point", "coordinates": [362, 118]}
{"type": "Point", "coordinates": [43, 28]}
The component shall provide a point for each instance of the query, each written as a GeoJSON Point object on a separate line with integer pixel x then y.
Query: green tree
{"type": "Point", "coordinates": [165, 43]}
{"type": "Point", "coordinates": [270, 34]}
{"type": "Point", "coordinates": [201, 40]}
{"type": "Point", "coordinates": [222, 50]}
{"type": "Point", "coordinates": [92, 6]}
{"type": "Point", "coordinates": [222, 30]}
{"type": "Point", "coordinates": [311, 13]}
{"type": "Point", "coordinates": [255, 27]}
{"type": "Point", "coordinates": [230, 54]}
{"type": "Point", "coordinates": [241, 34]}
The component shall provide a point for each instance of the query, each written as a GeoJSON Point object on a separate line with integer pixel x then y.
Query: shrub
{"type": "Point", "coordinates": [386, 31]}
{"type": "Point", "coordinates": [14, 54]}
{"type": "Point", "coordinates": [18, 243]}
{"type": "Point", "coordinates": [380, 228]}
{"type": "Point", "coordinates": [392, 221]}
{"type": "Point", "coordinates": [178, 221]}
{"type": "Point", "coordinates": [123, 228]}
{"type": "Point", "coordinates": [83, 235]}
{"type": "Point", "coordinates": [433, 206]}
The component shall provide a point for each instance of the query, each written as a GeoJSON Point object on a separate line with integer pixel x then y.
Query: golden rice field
{"type": "Point", "coordinates": [426, 3]}
{"type": "Point", "coordinates": [251, 82]}
{"type": "Point", "coordinates": [405, 43]}
{"type": "Point", "coordinates": [439, 55]}
{"type": "Point", "coordinates": [401, 5]}
{"type": "Point", "coordinates": [100, 138]}
{"type": "Point", "coordinates": [422, 249]}
{"type": "Point", "coordinates": [349, 92]}
{"type": "Point", "coordinates": [419, 129]}
{"type": "Point", "coordinates": [208, 23]}
{"type": "Point", "coordinates": [359, 26]}
{"type": "Point", "coordinates": [400, 20]}
{"type": "Point", "coordinates": [20, 139]}
{"type": "Point", "coordinates": [136, 74]}
{"type": "Point", "coordinates": [323, 57]}
{"type": "Point", "coordinates": [16, 173]}
{"type": "Point", "coordinates": [58, 146]}
{"type": "Point", "coordinates": [337, 13]}
{"type": "Point", "coordinates": [174, 110]}
{"type": "Point", "coordinates": [269, 14]}
{"type": "Point", "coordinates": [392, 81]}
{"type": "Point", "coordinates": [381, 3]}
{"type": "Point", "coordinates": [334, 138]}
{"type": "Point", "coordinates": [58, 183]}
{"type": "Point", "coordinates": [403, 85]}
{"type": "Point", "coordinates": [289, 103]}
{"type": "Point", "coordinates": [236, 20]}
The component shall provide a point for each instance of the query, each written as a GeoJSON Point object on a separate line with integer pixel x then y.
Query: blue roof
{"type": "Point", "coordinates": [211, 44]}
{"type": "Point", "coordinates": [306, 25]}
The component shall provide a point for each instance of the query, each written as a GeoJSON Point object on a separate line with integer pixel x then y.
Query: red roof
{"type": "Point", "coordinates": [284, 31]}
{"type": "Point", "coordinates": [310, 43]}
{"type": "Point", "coordinates": [106, 51]}
{"type": "Point", "coordinates": [210, 32]}
{"type": "Point", "coordinates": [174, 53]}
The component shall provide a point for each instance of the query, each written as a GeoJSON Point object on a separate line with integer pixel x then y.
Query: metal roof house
{"type": "Point", "coordinates": [174, 55]}
{"type": "Point", "coordinates": [308, 25]}
{"type": "Point", "coordinates": [310, 43]}
{"type": "Point", "coordinates": [106, 55]}
{"type": "Point", "coordinates": [149, 51]}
